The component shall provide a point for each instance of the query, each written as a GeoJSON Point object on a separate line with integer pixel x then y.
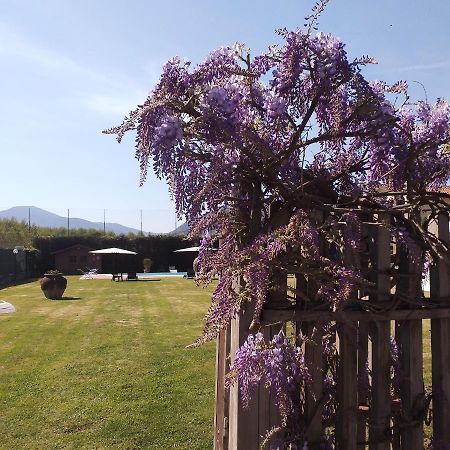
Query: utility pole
{"type": "Point", "coordinates": [141, 223]}
{"type": "Point", "coordinates": [104, 223]}
{"type": "Point", "coordinates": [29, 220]}
{"type": "Point", "coordinates": [68, 222]}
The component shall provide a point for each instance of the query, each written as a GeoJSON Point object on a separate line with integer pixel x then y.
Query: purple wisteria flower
{"type": "Point", "coordinates": [218, 99]}
{"type": "Point", "coordinates": [279, 365]}
{"type": "Point", "coordinates": [275, 106]}
{"type": "Point", "coordinates": [169, 132]}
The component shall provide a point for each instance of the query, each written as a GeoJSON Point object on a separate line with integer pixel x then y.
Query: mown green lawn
{"type": "Point", "coordinates": [106, 368]}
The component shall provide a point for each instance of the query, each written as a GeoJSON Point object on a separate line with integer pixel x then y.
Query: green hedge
{"type": "Point", "coordinates": [159, 248]}
{"type": "Point", "coordinates": [14, 268]}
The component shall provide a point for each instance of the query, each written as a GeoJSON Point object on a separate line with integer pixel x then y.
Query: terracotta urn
{"type": "Point", "coordinates": [53, 284]}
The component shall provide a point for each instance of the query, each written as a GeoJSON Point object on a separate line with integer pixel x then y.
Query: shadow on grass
{"type": "Point", "coordinates": [68, 298]}
{"type": "Point", "coordinates": [143, 279]}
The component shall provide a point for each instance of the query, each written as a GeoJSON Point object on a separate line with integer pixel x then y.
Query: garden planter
{"type": "Point", "coordinates": [147, 263]}
{"type": "Point", "coordinates": [53, 285]}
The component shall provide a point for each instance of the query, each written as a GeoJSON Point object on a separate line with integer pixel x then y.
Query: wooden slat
{"type": "Point", "coordinates": [363, 400]}
{"type": "Point", "coordinates": [268, 413]}
{"type": "Point", "coordinates": [440, 342]}
{"type": "Point", "coordinates": [313, 395]}
{"type": "Point", "coordinates": [347, 389]}
{"type": "Point", "coordinates": [269, 417]}
{"type": "Point", "coordinates": [380, 410]}
{"type": "Point", "coordinates": [221, 403]}
{"type": "Point", "coordinates": [313, 392]}
{"type": "Point", "coordinates": [363, 343]}
{"type": "Point", "coordinates": [270, 316]}
{"type": "Point", "coordinates": [248, 426]}
{"type": "Point", "coordinates": [243, 422]}
{"type": "Point", "coordinates": [409, 339]}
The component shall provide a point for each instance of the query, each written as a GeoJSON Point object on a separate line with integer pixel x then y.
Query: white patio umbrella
{"type": "Point", "coordinates": [112, 251]}
{"type": "Point", "coordinates": [188, 249]}
{"type": "Point", "coordinates": [191, 249]}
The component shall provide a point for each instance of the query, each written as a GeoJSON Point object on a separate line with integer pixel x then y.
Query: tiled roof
{"type": "Point", "coordinates": [68, 249]}
{"type": "Point", "coordinates": [445, 190]}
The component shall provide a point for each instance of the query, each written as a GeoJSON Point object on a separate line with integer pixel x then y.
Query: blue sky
{"type": "Point", "coordinates": [71, 68]}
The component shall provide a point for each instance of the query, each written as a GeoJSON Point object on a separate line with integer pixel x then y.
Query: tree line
{"type": "Point", "coordinates": [14, 232]}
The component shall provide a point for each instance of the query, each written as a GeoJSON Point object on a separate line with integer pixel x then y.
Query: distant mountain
{"type": "Point", "coordinates": [43, 218]}
{"type": "Point", "coordinates": [182, 229]}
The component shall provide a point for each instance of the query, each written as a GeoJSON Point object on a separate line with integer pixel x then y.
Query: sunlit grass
{"type": "Point", "coordinates": [107, 369]}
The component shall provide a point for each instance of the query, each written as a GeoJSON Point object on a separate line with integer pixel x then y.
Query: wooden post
{"type": "Point", "coordinates": [244, 433]}
{"type": "Point", "coordinates": [221, 416]}
{"type": "Point", "coordinates": [248, 426]}
{"type": "Point", "coordinates": [313, 399]}
{"type": "Point", "coordinates": [346, 427]}
{"type": "Point", "coordinates": [347, 388]}
{"type": "Point", "coordinates": [363, 342]}
{"type": "Point", "coordinates": [313, 391]}
{"type": "Point", "coordinates": [409, 339]}
{"type": "Point", "coordinates": [268, 412]}
{"type": "Point", "coordinates": [363, 264]}
{"type": "Point", "coordinates": [380, 411]}
{"type": "Point", "coordinates": [363, 381]}
{"type": "Point", "coordinates": [440, 341]}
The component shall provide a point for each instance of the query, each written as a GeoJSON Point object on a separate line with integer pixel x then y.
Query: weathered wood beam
{"type": "Point", "coordinates": [380, 333]}
{"type": "Point", "coordinates": [408, 335]}
{"type": "Point", "coordinates": [440, 340]}
{"type": "Point", "coordinates": [285, 315]}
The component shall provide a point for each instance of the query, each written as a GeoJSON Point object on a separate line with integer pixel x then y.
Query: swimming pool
{"type": "Point", "coordinates": [161, 274]}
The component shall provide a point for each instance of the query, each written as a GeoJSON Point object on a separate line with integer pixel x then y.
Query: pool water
{"type": "Point", "coordinates": [161, 274]}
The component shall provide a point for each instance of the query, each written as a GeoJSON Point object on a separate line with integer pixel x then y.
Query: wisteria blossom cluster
{"type": "Point", "coordinates": [279, 158]}
{"type": "Point", "coordinates": [252, 265]}
{"type": "Point", "coordinates": [279, 365]}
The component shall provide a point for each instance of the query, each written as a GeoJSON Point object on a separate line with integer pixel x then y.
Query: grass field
{"type": "Point", "coordinates": [106, 368]}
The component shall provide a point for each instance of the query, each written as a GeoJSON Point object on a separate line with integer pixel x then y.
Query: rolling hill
{"type": "Point", "coordinates": [182, 229]}
{"type": "Point", "coordinates": [43, 218]}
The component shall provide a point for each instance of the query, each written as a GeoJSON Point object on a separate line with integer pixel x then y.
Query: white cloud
{"type": "Point", "coordinates": [114, 105]}
{"type": "Point", "coordinates": [103, 93]}
{"type": "Point", "coordinates": [429, 66]}
{"type": "Point", "coordinates": [153, 70]}
{"type": "Point", "coordinates": [13, 44]}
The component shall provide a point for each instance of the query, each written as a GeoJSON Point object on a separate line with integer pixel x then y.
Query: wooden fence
{"type": "Point", "coordinates": [375, 421]}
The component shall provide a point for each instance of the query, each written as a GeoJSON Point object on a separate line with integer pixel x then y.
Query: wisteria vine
{"type": "Point", "coordinates": [280, 158]}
